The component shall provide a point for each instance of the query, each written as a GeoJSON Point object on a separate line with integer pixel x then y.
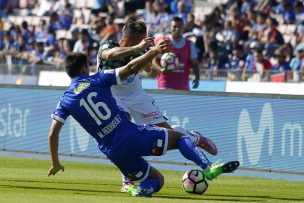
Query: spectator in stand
{"type": "Point", "coordinates": [109, 32]}
{"type": "Point", "coordinates": [231, 35]}
{"type": "Point", "coordinates": [192, 27]}
{"type": "Point", "coordinates": [288, 13]}
{"type": "Point", "coordinates": [272, 38]}
{"type": "Point", "coordinates": [54, 23]}
{"type": "Point", "coordinates": [299, 12]}
{"type": "Point", "coordinates": [41, 31]}
{"type": "Point", "coordinates": [104, 6]}
{"type": "Point", "coordinates": [259, 27]}
{"type": "Point", "coordinates": [161, 23]}
{"type": "Point", "coordinates": [249, 63]}
{"type": "Point", "coordinates": [279, 64]}
{"type": "Point", "coordinates": [261, 66]}
{"type": "Point", "coordinates": [186, 52]}
{"type": "Point", "coordinates": [236, 63]}
{"type": "Point", "coordinates": [247, 4]}
{"type": "Point", "coordinates": [64, 49]}
{"type": "Point", "coordinates": [85, 45]}
{"type": "Point", "coordinates": [74, 38]}
{"type": "Point", "coordinates": [297, 64]}
{"type": "Point", "coordinates": [181, 11]}
{"type": "Point", "coordinates": [190, 24]}
{"type": "Point", "coordinates": [66, 17]}
{"type": "Point", "coordinates": [187, 4]}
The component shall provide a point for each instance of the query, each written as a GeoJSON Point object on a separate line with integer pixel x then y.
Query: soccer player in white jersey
{"type": "Point", "coordinates": [89, 101]}
{"type": "Point", "coordinates": [130, 96]}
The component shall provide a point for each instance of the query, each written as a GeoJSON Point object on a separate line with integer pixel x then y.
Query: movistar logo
{"type": "Point", "coordinates": [253, 140]}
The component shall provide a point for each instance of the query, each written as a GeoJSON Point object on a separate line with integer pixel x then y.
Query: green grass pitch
{"type": "Point", "coordinates": [25, 180]}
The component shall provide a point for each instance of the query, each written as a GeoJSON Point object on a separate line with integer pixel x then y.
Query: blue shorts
{"type": "Point", "coordinates": [135, 142]}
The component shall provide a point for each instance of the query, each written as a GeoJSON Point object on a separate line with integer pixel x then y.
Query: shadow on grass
{"type": "Point", "coordinates": [207, 197]}
{"type": "Point", "coordinates": [76, 190]}
{"type": "Point", "coordinates": [57, 182]}
{"type": "Point", "coordinates": [230, 198]}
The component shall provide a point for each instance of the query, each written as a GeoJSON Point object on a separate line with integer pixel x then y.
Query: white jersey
{"type": "Point", "coordinates": [129, 87]}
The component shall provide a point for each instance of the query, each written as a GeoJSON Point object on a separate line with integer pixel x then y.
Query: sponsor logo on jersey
{"type": "Point", "coordinates": [151, 114]}
{"type": "Point", "coordinates": [81, 86]}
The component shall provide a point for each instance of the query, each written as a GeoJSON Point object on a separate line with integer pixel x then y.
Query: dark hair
{"type": "Point", "coordinates": [74, 62]}
{"type": "Point", "coordinates": [133, 29]}
{"type": "Point", "coordinates": [177, 19]}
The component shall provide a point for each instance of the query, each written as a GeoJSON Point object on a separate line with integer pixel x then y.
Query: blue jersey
{"type": "Point", "coordinates": [89, 100]}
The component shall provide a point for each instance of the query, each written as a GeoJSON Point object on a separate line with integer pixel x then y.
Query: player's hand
{"type": "Point", "coordinates": [164, 46]}
{"type": "Point", "coordinates": [195, 83]}
{"type": "Point", "coordinates": [145, 43]}
{"type": "Point", "coordinates": [55, 168]}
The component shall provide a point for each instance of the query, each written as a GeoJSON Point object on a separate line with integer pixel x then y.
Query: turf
{"type": "Point", "coordinates": [25, 180]}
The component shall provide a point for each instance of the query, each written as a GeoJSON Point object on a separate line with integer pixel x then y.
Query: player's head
{"type": "Point", "coordinates": [76, 64]}
{"type": "Point", "coordinates": [177, 27]}
{"type": "Point", "coordinates": [133, 33]}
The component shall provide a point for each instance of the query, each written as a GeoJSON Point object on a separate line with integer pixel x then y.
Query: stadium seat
{"type": "Point", "coordinates": [89, 3]}
{"type": "Point", "coordinates": [61, 34]}
{"type": "Point", "coordinates": [290, 29]}
{"type": "Point", "coordinates": [80, 4]}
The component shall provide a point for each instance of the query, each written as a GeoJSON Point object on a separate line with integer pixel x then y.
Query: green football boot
{"type": "Point", "coordinates": [218, 168]}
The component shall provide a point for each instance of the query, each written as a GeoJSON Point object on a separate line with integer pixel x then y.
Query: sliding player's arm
{"type": "Point", "coordinates": [138, 63]}
{"type": "Point", "coordinates": [121, 52]}
{"type": "Point", "coordinates": [53, 146]}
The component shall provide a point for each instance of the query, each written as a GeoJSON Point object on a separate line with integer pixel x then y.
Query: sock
{"type": "Point", "coordinates": [182, 130]}
{"type": "Point", "coordinates": [191, 152]}
{"type": "Point", "coordinates": [151, 184]}
{"type": "Point", "coordinates": [125, 179]}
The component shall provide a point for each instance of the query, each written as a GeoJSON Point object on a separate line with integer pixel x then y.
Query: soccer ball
{"type": "Point", "coordinates": [194, 182]}
{"type": "Point", "coordinates": [169, 62]}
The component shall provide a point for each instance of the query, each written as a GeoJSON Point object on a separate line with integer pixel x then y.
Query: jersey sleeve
{"type": "Point", "coordinates": [60, 113]}
{"type": "Point", "coordinates": [109, 77]}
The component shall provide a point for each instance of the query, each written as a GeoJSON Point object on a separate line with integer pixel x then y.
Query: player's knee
{"type": "Point", "coordinates": [161, 180]}
{"type": "Point", "coordinates": [164, 125]}
{"type": "Point", "coordinates": [173, 138]}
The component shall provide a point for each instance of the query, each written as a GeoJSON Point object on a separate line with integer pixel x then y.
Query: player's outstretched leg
{"type": "Point", "coordinates": [198, 139]}
{"type": "Point", "coordinates": [191, 152]}
{"type": "Point", "coordinates": [217, 169]}
{"type": "Point", "coordinates": [187, 148]}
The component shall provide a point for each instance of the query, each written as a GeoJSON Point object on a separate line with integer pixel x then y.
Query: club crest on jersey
{"type": "Point", "coordinates": [81, 86]}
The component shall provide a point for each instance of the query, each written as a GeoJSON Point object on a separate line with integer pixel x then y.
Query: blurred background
{"type": "Point", "coordinates": [236, 40]}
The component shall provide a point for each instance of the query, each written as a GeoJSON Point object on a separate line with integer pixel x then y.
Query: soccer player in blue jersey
{"type": "Point", "coordinates": [89, 100]}
{"type": "Point", "coordinates": [130, 95]}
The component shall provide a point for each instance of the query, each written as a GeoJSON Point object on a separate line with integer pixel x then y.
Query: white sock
{"type": "Point", "coordinates": [182, 130]}
{"type": "Point", "coordinates": [124, 179]}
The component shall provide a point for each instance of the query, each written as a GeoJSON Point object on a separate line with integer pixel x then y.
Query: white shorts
{"type": "Point", "coordinates": [142, 109]}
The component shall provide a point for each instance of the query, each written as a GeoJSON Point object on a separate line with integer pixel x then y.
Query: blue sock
{"type": "Point", "coordinates": [151, 184]}
{"type": "Point", "coordinates": [191, 152]}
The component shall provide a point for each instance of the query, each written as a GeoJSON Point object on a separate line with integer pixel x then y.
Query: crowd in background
{"type": "Point", "coordinates": [259, 40]}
